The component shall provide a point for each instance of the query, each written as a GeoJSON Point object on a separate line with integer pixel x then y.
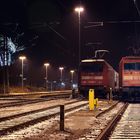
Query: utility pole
{"type": "Point", "coordinates": [5, 66]}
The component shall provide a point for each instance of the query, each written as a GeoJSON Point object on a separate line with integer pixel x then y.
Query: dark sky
{"type": "Point", "coordinates": [50, 28]}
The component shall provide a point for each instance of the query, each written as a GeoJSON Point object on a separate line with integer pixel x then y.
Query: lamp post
{"type": "Point", "coordinates": [79, 10]}
{"type": "Point", "coordinates": [72, 72]}
{"type": "Point", "coordinates": [61, 69]}
{"type": "Point", "coordinates": [46, 66]}
{"type": "Point", "coordinates": [22, 58]}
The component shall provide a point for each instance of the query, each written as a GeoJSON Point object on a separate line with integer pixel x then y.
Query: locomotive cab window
{"type": "Point", "coordinates": [94, 67]}
{"type": "Point", "coordinates": [132, 66]}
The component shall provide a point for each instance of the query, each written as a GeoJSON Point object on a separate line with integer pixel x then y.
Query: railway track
{"type": "Point", "coordinates": [36, 94]}
{"type": "Point", "coordinates": [24, 101]}
{"type": "Point", "coordinates": [16, 114]}
{"type": "Point", "coordinates": [123, 125]}
{"type": "Point", "coordinates": [110, 126]}
{"type": "Point", "coordinates": [20, 121]}
{"type": "Point", "coordinates": [100, 127]}
{"type": "Point", "coordinates": [129, 125]}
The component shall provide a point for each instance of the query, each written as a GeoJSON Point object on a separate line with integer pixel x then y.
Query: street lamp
{"type": "Point", "coordinates": [79, 10]}
{"type": "Point", "coordinates": [22, 58]}
{"type": "Point", "coordinates": [72, 72]}
{"type": "Point", "coordinates": [46, 65]}
{"type": "Point", "coordinates": [61, 69]}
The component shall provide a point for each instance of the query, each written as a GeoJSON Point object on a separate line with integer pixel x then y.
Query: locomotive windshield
{"type": "Point", "coordinates": [92, 67]}
{"type": "Point", "coordinates": [132, 66]}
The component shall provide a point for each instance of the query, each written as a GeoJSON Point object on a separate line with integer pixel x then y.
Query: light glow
{"type": "Point", "coordinates": [46, 64]}
{"type": "Point", "coordinates": [61, 68]}
{"type": "Point", "coordinates": [79, 9]}
{"type": "Point", "coordinates": [72, 71]}
{"type": "Point", "coordinates": [22, 57]}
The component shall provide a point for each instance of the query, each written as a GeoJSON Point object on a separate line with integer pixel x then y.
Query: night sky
{"type": "Point", "coordinates": [50, 29]}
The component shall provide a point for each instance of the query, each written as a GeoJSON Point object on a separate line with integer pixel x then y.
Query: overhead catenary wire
{"type": "Point", "coordinates": [135, 3]}
{"type": "Point", "coordinates": [41, 25]}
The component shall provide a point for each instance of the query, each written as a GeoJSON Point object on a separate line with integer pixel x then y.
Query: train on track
{"type": "Point", "coordinates": [99, 75]}
{"type": "Point", "coordinates": [129, 77]}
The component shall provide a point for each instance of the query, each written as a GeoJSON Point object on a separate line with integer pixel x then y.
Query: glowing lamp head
{"type": "Point", "coordinates": [46, 64]}
{"type": "Point", "coordinates": [72, 71]}
{"type": "Point", "coordinates": [79, 9]}
{"type": "Point", "coordinates": [61, 68]}
{"type": "Point", "coordinates": [22, 57]}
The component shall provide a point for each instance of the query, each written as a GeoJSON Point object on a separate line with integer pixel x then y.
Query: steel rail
{"type": "Point", "coordinates": [31, 112]}
{"type": "Point", "coordinates": [36, 120]}
{"type": "Point", "coordinates": [36, 93]}
{"type": "Point", "coordinates": [106, 132]}
{"type": "Point", "coordinates": [107, 110]}
{"type": "Point", "coordinates": [31, 101]}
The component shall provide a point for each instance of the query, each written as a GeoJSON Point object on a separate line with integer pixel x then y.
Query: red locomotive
{"type": "Point", "coordinates": [129, 77]}
{"type": "Point", "coordinates": [97, 74]}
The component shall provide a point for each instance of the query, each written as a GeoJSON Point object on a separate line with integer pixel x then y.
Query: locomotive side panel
{"type": "Point", "coordinates": [111, 77]}
{"type": "Point", "coordinates": [130, 72]}
{"type": "Point", "coordinates": [120, 73]}
{"type": "Point", "coordinates": [116, 81]}
{"type": "Point", "coordinates": [130, 77]}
